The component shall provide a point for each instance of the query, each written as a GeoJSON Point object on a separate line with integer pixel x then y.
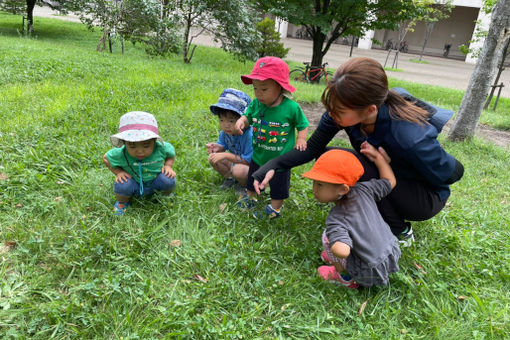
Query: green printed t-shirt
{"type": "Point", "coordinates": [151, 166]}
{"type": "Point", "coordinates": [274, 128]}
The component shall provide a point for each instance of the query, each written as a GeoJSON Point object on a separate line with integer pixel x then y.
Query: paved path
{"type": "Point", "coordinates": [439, 71]}
{"type": "Point", "coordinates": [444, 72]}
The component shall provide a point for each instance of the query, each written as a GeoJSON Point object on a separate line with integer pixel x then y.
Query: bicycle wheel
{"type": "Point", "coordinates": [325, 77]}
{"type": "Point", "coordinates": [298, 75]}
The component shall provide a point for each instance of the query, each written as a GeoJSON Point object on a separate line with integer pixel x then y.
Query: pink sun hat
{"type": "Point", "coordinates": [136, 126]}
{"type": "Point", "coordinates": [270, 68]}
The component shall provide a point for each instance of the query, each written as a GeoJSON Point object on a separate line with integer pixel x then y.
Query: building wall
{"type": "Point", "coordinates": [455, 30]}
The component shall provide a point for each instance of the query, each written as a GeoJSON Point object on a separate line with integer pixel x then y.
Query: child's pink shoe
{"type": "Point", "coordinates": [329, 273]}
{"type": "Point", "coordinates": [324, 257]}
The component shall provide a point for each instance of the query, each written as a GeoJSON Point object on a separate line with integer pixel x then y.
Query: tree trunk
{"type": "Point", "coordinates": [30, 15]}
{"type": "Point", "coordinates": [317, 53]}
{"type": "Point", "coordinates": [429, 27]}
{"type": "Point", "coordinates": [471, 107]}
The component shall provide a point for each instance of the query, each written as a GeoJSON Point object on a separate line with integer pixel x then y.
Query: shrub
{"type": "Point", "coordinates": [270, 44]}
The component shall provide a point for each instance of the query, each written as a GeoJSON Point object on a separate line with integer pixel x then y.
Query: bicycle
{"type": "Point", "coordinates": [311, 74]}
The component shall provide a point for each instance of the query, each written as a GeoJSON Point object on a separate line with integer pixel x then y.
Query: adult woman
{"type": "Point", "coordinates": [357, 99]}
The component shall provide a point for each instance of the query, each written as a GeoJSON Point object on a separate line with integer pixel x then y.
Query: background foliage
{"type": "Point", "coordinates": [80, 272]}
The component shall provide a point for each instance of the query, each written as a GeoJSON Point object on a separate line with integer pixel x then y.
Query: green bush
{"type": "Point", "coordinates": [270, 44]}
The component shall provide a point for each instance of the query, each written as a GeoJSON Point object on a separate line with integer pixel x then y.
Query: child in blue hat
{"type": "Point", "coordinates": [231, 154]}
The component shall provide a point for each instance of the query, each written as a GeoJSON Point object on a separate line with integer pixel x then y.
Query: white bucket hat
{"type": "Point", "coordinates": [136, 126]}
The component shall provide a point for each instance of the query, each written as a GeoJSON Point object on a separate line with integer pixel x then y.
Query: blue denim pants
{"type": "Point", "coordinates": [132, 188]}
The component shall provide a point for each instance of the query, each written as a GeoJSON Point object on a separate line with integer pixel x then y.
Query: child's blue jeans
{"type": "Point", "coordinates": [131, 187]}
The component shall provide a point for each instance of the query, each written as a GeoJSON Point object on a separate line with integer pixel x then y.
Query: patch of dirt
{"type": "Point", "coordinates": [498, 137]}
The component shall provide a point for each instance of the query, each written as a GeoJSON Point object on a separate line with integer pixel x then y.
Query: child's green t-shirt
{"type": "Point", "coordinates": [275, 133]}
{"type": "Point", "coordinates": [151, 166]}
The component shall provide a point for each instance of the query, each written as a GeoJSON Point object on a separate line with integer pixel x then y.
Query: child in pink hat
{"type": "Point", "coordinates": [141, 161]}
{"type": "Point", "coordinates": [274, 119]}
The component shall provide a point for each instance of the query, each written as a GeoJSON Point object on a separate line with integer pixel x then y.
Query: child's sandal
{"type": "Point", "coordinates": [120, 207]}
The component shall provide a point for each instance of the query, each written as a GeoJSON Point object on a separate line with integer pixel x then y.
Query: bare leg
{"type": "Point", "coordinates": [122, 199]}
{"type": "Point", "coordinates": [223, 167]}
{"type": "Point", "coordinates": [240, 173]}
{"type": "Point", "coordinates": [276, 204]}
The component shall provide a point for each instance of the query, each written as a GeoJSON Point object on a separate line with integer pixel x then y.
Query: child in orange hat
{"type": "Point", "coordinates": [357, 241]}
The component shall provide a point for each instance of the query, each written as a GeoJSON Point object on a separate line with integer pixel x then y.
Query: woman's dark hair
{"type": "Point", "coordinates": [361, 82]}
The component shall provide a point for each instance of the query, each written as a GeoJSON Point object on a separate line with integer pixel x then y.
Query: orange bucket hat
{"type": "Point", "coordinates": [338, 167]}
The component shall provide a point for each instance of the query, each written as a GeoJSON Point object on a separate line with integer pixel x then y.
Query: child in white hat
{"type": "Point", "coordinates": [141, 161]}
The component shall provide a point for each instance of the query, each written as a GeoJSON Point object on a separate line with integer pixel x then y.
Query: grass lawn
{"type": "Point", "coordinates": [80, 272]}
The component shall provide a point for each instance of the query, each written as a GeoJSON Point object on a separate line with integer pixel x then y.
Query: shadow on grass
{"type": "Point", "coordinates": [45, 29]}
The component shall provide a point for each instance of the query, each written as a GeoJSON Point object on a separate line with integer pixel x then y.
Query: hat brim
{"type": "Point", "coordinates": [133, 136]}
{"type": "Point", "coordinates": [319, 176]}
{"type": "Point", "coordinates": [248, 79]}
{"type": "Point", "coordinates": [223, 106]}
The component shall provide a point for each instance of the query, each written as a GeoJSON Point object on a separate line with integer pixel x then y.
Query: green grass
{"type": "Point", "coordinates": [392, 69]}
{"type": "Point", "coordinates": [79, 272]}
{"type": "Point", "coordinates": [418, 61]}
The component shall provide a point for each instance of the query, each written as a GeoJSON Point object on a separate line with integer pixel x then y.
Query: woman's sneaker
{"type": "Point", "coordinates": [120, 207]}
{"type": "Point", "coordinates": [329, 273]}
{"type": "Point", "coordinates": [406, 238]}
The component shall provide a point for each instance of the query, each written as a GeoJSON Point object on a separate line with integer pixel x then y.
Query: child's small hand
{"type": "Point", "coordinates": [168, 171]}
{"type": "Point", "coordinates": [373, 154]}
{"type": "Point", "coordinates": [122, 177]}
{"type": "Point", "coordinates": [214, 158]}
{"type": "Point", "coordinates": [300, 144]}
{"type": "Point", "coordinates": [240, 125]}
{"type": "Point", "coordinates": [213, 147]}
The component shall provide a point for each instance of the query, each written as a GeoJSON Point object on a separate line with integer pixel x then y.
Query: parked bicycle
{"type": "Point", "coordinates": [311, 74]}
{"type": "Point", "coordinates": [403, 46]}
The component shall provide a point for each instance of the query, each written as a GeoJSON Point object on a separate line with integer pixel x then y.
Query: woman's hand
{"type": "Point", "coordinates": [259, 186]}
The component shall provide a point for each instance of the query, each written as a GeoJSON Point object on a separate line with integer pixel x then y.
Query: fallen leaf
{"type": "Point", "coordinates": [462, 298]}
{"type": "Point", "coordinates": [280, 283]}
{"type": "Point", "coordinates": [19, 205]}
{"type": "Point", "coordinates": [175, 243]}
{"type": "Point", "coordinates": [362, 307]}
{"type": "Point", "coordinates": [420, 268]}
{"type": "Point", "coordinates": [222, 207]}
{"type": "Point", "coordinates": [3, 176]}
{"type": "Point", "coordinates": [12, 244]}
{"type": "Point", "coordinates": [58, 199]}
{"type": "Point", "coordinates": [7, 247]}
{"type": "Point", "coordinates": [200, 278]}
{"type": "Point", "coordinates": [483, 180]}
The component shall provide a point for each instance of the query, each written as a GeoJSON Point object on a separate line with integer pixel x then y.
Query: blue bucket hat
{"type": "Point", "coordinates": [233, 100]}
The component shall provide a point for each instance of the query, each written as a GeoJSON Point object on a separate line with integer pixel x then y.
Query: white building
{"type": "Point", "coordinates": [458, 29]}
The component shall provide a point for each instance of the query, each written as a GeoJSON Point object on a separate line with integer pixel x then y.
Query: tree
{"type": "Point", "coordinates": [327, 20]}
{"type": "Point", "coordinates": [434, 12]}
{"type": "Point", "coordinates": [230, 22]}
{"type": "Point", "coordinates": [270, 44]}
{"type": "Point", "coordinates": [471, 107]}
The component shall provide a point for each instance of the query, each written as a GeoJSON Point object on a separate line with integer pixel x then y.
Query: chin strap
{"type": "Point", "coordinates": [140, 175]}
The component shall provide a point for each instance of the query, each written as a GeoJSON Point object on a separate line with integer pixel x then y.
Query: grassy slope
{"type": "Point", "coordinates": [79, 272]}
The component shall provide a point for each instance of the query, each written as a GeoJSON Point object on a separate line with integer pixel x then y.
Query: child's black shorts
{"type": "Point", "coordinates": [279, 184]}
